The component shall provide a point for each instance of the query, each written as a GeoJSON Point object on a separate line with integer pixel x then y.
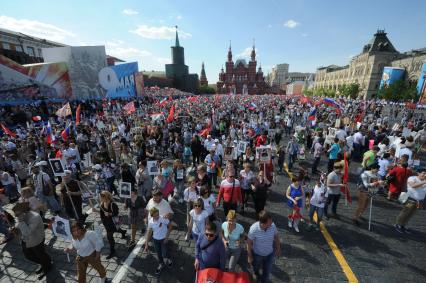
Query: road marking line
{"type": "Point", "coordinates": [337, 253]}
{"type": "Point", "coordinates": [125, 267]}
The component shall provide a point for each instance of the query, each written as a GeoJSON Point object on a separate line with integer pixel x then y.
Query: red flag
{"type": "Point", "coordinates": [171, 114]}
{"type": "Point", "coordinates": [77, 115]}
{"type": "Point", "coordinates": [129, 108]}
{"type": "Point", "coordinates": [345, 179]}
{"type": "Point", "coordinates": [218, 276]}
{"type": "Point", "coordinates": [7, 131]}
{"type": "Point", "coordinates": [205, 131]}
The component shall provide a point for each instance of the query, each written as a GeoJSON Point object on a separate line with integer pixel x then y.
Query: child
{"type": "Point", "coordinates": [294, 201]}
{"type": "Point", "coordinates": [317, 202]}
{"type": "Point", "coordinates": [159, 229]}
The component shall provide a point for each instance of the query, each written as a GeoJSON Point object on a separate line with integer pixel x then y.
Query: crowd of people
{"type": "Point", "coordinates": [213, 155]}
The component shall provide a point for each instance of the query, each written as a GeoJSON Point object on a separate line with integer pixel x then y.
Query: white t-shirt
{"type": "Point", "coordinates": [158, 227]}
{"type": "Point", "coordinates": [208, 204]}
{"type": "Point", "coordinates": [198, 221]}
{"type": "Point", "coordinates": [163, 207]}
{"type": "Point", "coordinates": [189, 195]}
{"type": "Point", "coordinates": [383, 163]}
{"type": "Point", "coordinates": [319, 198]}
{"type": "Point", "coordinates": [416, 193]}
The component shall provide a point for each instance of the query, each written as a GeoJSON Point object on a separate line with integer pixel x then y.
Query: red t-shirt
{"type": "Point", "coordinates": [401, 175]}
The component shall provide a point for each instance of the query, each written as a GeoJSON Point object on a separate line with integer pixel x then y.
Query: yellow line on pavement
{"type": "Point", "coordinates": [337, 253]}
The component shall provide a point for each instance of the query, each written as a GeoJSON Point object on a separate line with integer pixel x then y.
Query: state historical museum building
{"type": "Point", "coordinates": [241, 78]}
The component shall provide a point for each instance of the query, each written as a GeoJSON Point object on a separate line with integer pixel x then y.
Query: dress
{"type": "Point", "coordinates": [295, 192]}
{"type": "Point", "coordinates": [136, 210]}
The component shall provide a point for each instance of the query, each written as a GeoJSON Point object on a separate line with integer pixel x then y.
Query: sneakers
{"type": "Point", "coordinates": [290, 223]}
{"type": "Point", "coordinates": [169, 263]}
{"type": "Point", "coordinates": [187, 237]}
{"type": "Point", "coordinates": [159, 268]}
{"type": "Point", "coordinates": [399, 228]}
{"type": "Point", "coordinates": [296, 228]}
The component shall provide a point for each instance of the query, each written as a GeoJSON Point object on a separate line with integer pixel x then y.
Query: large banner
{"type": "Point", "coordinates": [22, 83]}
{"type": "Point", "coordinates": [421, 84]}
{"type": "Point", "coordinates": [390, 75]}
{"type": "Point", "coordinates": [119, 80]}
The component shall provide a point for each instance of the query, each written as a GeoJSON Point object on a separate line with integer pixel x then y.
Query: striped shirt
{"type": "Point", "coordinates": [263, 241]}
{"type": "Point", "coordinates": [227, 193]}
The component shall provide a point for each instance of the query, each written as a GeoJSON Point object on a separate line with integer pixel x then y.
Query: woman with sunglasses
{"type": "Point", "coordinates": [209, 201]}
{"type": "Point", "coordinates": [232, 235]}
{"type": "Point", "coordinates": [198, 217]}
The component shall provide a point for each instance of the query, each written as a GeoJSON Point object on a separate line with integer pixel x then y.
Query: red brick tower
{"type": "Point", "coordinates": [203, 78]}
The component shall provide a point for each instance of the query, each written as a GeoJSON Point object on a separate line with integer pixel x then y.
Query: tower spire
{"type": "Point", "coordinates": [229, 53]}
{"type": "Point", "coordinates": [253, 52]}
{"type": "Point", "coordinates": [177, 37]}
{"type": "Point", "coordinates": [203, 78]}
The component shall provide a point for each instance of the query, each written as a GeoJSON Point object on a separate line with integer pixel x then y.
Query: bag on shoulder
{"type": "Point", "coordinates": [403, 197]}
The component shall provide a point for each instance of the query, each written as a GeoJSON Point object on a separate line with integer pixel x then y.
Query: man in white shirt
{"type": "Point", "coordinates": [416, 190]}
{"type": "Point", "coordinates": [88, 249]}
{"type": "Point", "coordinates": [159, 203]}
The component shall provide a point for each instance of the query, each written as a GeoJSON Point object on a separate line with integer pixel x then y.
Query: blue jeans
{"type": "Point", "coordinates": [264, 262]}
{"type": "Point", "coordinates": [3, 229]}
{"type": "Point", "coordinates": [320, 212]}
{"type": "Point", "coordinates": [161, 249]}
{"type": "Point", "coordinates": [291, 160]}
{"type": "Point", "coordinates": [52, 203]}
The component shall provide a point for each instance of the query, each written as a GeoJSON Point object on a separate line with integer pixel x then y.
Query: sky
{"type": "Point", "coordinates": [306, 34]}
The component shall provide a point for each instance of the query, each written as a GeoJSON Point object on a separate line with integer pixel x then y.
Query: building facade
{"type": "Point", "coordinates": [278, 75]}
{"type": "Point", "coordinates": [22, 48]}
{"type": "Point", "coordinates": [241, 77]}
{"type": "Point", "coordinates": [366, 69]}
{"type": "Point", "coordinates": [178, 72]}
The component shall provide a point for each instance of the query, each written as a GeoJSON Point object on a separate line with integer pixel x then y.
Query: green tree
{"type": "Point", "coordinates": [308, 92]}
{"type": "Point", "coordinates": [350, 90]}
{"type": "Point", "coordinates": [398, 91]}
{"type": "Point", "coordinates": [206, 90]}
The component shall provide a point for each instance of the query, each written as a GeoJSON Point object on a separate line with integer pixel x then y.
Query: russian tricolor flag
{"type": "Point", "coordinates": [66, 133]}
{"type": "Point", "coordinates": [330, 102]}
{"type": "Point", "coordinates": [50, 136]}
{"type": "Point", "coordinates": [313, 115]}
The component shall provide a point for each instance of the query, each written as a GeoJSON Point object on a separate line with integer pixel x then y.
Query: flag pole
{"type": "Point", "coordinates": [369, 217]}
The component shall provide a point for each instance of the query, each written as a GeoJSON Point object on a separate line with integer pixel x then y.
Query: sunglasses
{"type": "Point", "coordinates": [197, 205]}
{"type": "Point", "coordinates": [210, 235]}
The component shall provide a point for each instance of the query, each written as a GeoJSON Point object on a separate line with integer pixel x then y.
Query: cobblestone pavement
{"type": "Point", "coordinates": [379, 255]}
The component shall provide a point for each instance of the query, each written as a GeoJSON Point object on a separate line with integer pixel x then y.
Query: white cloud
{"type": "Point", "coordinates": [127, 53]}
{"type": "Point", "coordinates": [36, 28]}
{"type": "Point", "coordinates": [114, 43]}
{"type": "Point", "coordinates": [130, 12]}
{"type": "Point", "coordinates": [162, 32]}
{"type": "Point", "coordinates": [246, 52]}
{"type": "Point", "coordinates": [179, 17]}
{"type": "Point", "coordinates": [291, 24]}
{"type": "Point", "coordinates": [163, 60]}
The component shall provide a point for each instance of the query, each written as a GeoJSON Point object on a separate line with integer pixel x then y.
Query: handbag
{"type": "Point", "coordinates": [117, 220]}
{"type": "Point", "coordinates": [403, 197]}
